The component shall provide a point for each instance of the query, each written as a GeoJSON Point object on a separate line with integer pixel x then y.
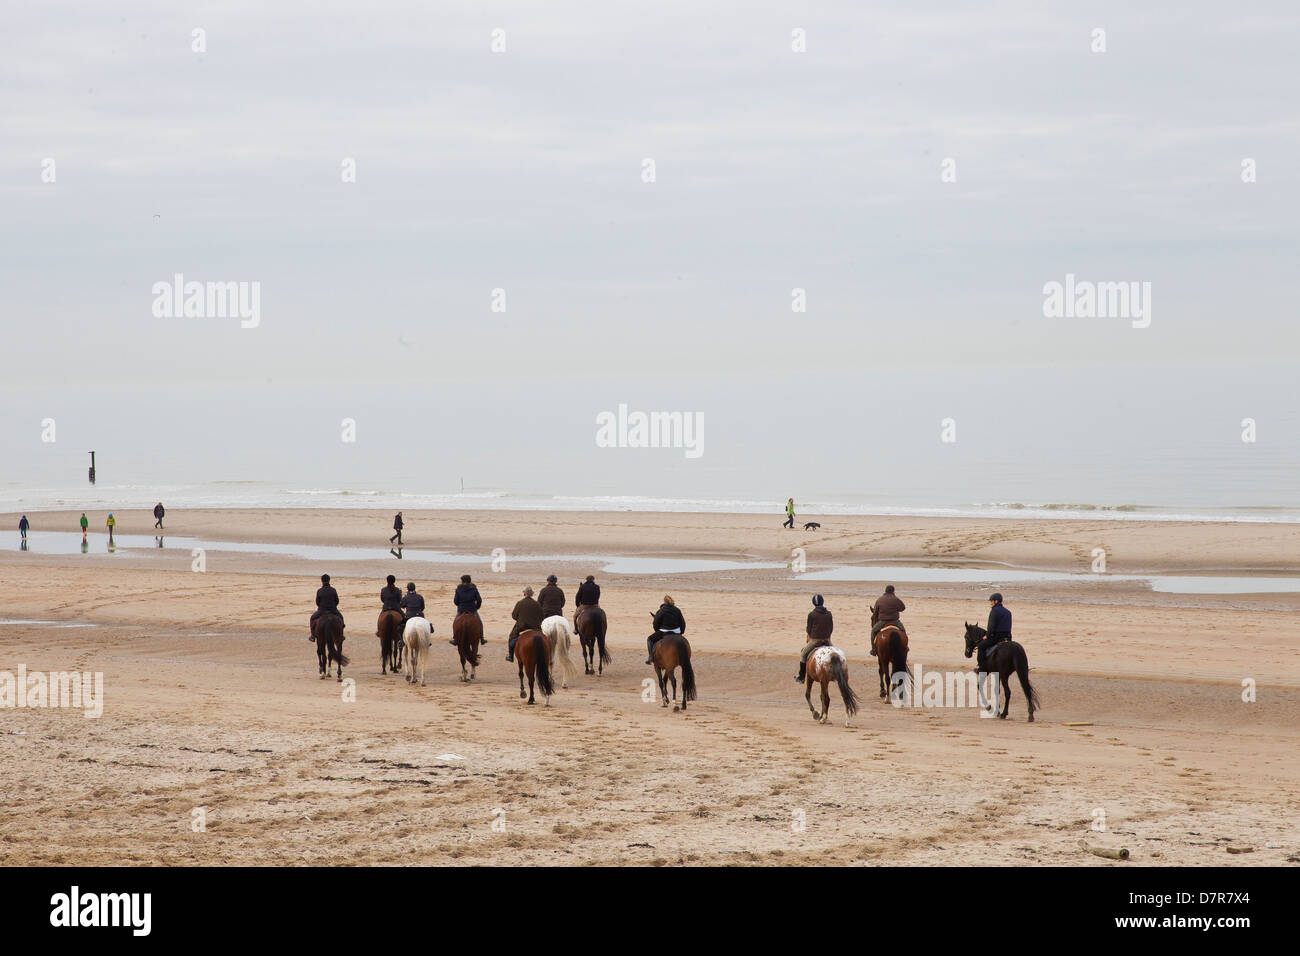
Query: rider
{"type": "Point", "coordinates": [327, 602]}
{"type": "Point", "coordinates": [887, 607]}
{"type": "Point", "coordinates": [668, 620]}
{"type": "Point", "coordinates": [412, 603]}
{"type": "Point", "coordinates": [820, 625]}
{"type": "Point", "coordinates": [391, 596]}
{"type": "Point", "coordinates": [551, 598]}
{"type": "Point", "coordinates": [999, 630]}
{"type": "Point", "coordinates": [467, 600]}
{"type": "Point", "coordinates": [527, 616]}
{"type": "Point", "coordinates": [588, 594]}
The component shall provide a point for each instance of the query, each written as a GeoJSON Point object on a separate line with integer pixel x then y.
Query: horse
{"type": "Point", "coordinates": [559, 637]}
{"type": "Point", "coordinates": [591, 624]}
{"type": "Point", "coordinates": [389, 631]}
{"type": "Point", "coordinates": [532, 653]}
{"type": "Point", "coordinates": [1004, 657]}
{"type": "Point", "coordinates": [467, 631]}
{"type": "Point", "coordinates": [670, 652]}
{"type": "Point", "coordinates": [328, 631]}
{"type": "Point", "coordinates": [890, 643]}
{"type": "Point", "coordinates": [826, 664]}
{"type": "Point", "coordinates": [417, 636]}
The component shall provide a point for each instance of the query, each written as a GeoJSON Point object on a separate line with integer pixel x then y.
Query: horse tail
{"type": "Point", "coordinates": [688, 673]}
{"type": "Point", "coordinates": [1022, 671]}
{"type": "Point", "coordinates": [564, 642]}
{"type": "Point", "coordinates": [842, 678]}
{"type": "Point", "coordinates": [602, 625]}
{"type": "Point", "coordinates": [543, 674]}
{"type": "Point", "coordinates": [897, 652]}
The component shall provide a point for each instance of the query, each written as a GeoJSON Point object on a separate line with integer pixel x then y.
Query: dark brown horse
{"type": "Point", "coordinates": [590, 623]}
{"type": "Point", "coordinates": [824, 665]}
{"type": "Point", "coordinates": [467, 632]}
{"type": "Point", "coordinates": [1002, 659]}
{"type": "Point", "coordinates": [533, 655]}
{"type": "Point", "coordinates": [670, 652]}
{"type": "Point", "coordinates": [328, 631]}
{"type": "Point", "coordinates": [890, 643]}
{"type": "Point", "coordinates": [389, 632]}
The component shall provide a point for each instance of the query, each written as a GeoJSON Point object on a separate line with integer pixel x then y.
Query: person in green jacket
{"type": "Point", "coordinates": [84, 524]}
{"type": "Point", "coordinates": [789, 514]}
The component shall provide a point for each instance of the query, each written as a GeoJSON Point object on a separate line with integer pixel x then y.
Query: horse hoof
{"type": "Point", "coordinates": [676, 708]}
{"type": "Point", "coordinates": [823, 721]}
{"type": "Point", "coordinates": [1002, 716]}
{"type": "Point", "coordinates": [847, 724]}
{"type": "Point", "coordinates": [882, 695]}
{"type": "Point", "coordinates": [522, 695]}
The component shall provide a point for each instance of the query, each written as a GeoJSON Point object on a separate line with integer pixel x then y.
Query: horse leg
{"type": "Point", "coordinates": [663, 684]}
{"type": "Point", "coordinates": [521, 674]}
{"type": "Point", "coordinates": [807, 695]}
{"type": "Point", "coordinates": [531, 699]}
{"type": "Point", "coordinates": [882, 667]}
{"type": "Point", "coordinates": [826, 700]}
{"type": "Point", "coordinates": [1006, 692]}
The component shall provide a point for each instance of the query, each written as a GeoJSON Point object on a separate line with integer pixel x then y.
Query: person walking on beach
{"type": "Point", "coordinates": [887, 607]}
{"type": "Point", "coordinates": [527, 616]}
{"type": "Point", "coordinates": [327, 602]}
{"type": "Point", "coordinates": [111, 523]}
{"type": "Point", "coordinates": [397, 527]}
{"type": "Point", "coordinates": [789, 514]}
{"type": "Point", "coordinates": [412, 604]}
{"type": "Point", "coordinates": [820, 625]}
{"type": "Point", "coordinates": [84, 526]}
{"type": "Point", "coordinates": [23, 525]}
{"type": "Point", "coordinates": [467, 600]}
{"type": "Point", "coordinates": [158, 512]}
{"type": "Point", "coordinates": [668, 620]}
{"type": "Point", "coordinates": [999, 630]}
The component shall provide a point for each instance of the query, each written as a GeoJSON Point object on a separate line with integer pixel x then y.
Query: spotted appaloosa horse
{"type": "Point", "coordinates": [824, 665]}
{"type": "Point", "coordinates": [591, 624]}
{"type": "Point", "coordinates": [328, 631]}
{"type": "Point", "coordinates": [417, 636]}
{"type": "Point", "coordinates": [389, 631]}
{"type": "Point", "coordinates": [467, 632]}
{"type": "Point", "coordinates": [670, 652]}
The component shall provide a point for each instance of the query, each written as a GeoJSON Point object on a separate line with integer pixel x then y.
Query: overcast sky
{"type": "Point", "coordinates": [523, 170]}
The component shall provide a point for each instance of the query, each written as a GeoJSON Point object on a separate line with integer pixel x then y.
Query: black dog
{"type": "Point", "coordinates": [811, 526]}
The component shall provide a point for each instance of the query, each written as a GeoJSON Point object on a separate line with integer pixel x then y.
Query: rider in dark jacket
{"type": "Point", "coordinates": [412, 603]}
{"type": "Point", "coordinates": [391, 597]}
{"type": "Point", "coordinates": [528, 616]}
{"type": "Point", "coordinates": [820, 626]}
{"type": "Point", "coordinates": [668, 620]}
{"type": "Point", "coordinates": [327, 602]}
{"type": "Point", "coordinates": [588, 593]}
{"type": "Point", "coordinates": [551, 598]}
{"type": "Point", "coordinates": [467, 601]}
{"type": "Point", "coordinates": [999, 630]}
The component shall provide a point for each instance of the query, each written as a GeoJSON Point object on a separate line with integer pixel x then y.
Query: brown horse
{"type": "Point", "coordinates": [389, 632]}
{"type": "Point", "coordinates": [328, 631]}
{"type": "Point", "coordinates": [591, 624]}
{"type": "Point", "coordinates": [467, 632]}
{"type": "Point", "coordinates": [672, 651]}
{"type": "Point", "coordinates": [824, 665]}
{"type": "Point", "coordinates": [891, 654]}
{"type": "Point", "coordinates": [533, 655]}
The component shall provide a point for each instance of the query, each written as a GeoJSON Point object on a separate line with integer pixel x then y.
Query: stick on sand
{"type": "Point", "coordinates": [1120, 854]}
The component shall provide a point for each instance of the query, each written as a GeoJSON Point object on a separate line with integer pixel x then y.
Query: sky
{"type": "Point", "coordinates": [524, 170]}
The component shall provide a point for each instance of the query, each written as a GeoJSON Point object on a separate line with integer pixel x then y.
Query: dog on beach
{"type": "Point", "coordinates": [812, 526]}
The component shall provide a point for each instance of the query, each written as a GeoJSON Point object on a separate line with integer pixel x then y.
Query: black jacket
{"type": "Point", "coordinates": [391, 598]}
{"type": "Point", "coordinates": [397, 522]}
{"type": "Point", "coordinates": [999, 621]}
{"type": "Point", "coordinates": [327, 599]}
{"type": "Point", "coordinates": [669, 617]}
{"type": "Point", "coordinates": [413, 604]}
{"type": "Point", "coordinates": [467, 598]}
{"type": "Point", "coordinates": [588, 593]}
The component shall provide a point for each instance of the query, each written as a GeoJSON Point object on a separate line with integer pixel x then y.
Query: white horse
{"type": "Point", "coordinates": [416, 636]}
{"type": "Point", "coordinates": [559, 637]}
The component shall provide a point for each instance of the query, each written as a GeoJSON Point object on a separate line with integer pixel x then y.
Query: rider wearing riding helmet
{"type": "Point", "coordinates": [820, 625]}
{"type": "Point", "coordinates": [999, 630]}
{"type": "Point", "coordinates": [467, 601]}
{"type": "Point", "coordinates": [327, 602]}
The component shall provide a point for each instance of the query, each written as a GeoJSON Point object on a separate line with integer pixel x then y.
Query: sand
{"type": "Point", "coordinates": [213, 709]}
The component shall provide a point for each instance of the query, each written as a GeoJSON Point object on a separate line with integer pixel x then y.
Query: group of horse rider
{"type": "Point", "coordinates": [887, 609]}
{"type": "Point", "coordinates": [529, 612]}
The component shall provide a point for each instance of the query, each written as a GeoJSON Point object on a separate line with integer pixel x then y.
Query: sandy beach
{"type": "Point", "coordinates": [212, 707]}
